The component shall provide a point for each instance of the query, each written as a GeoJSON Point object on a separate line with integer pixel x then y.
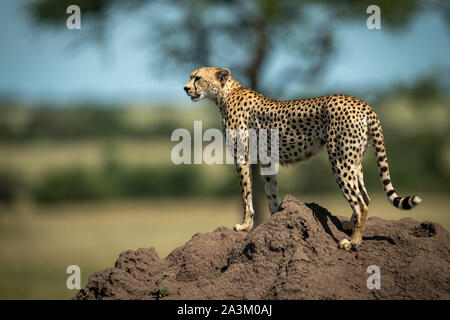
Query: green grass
{"type": "Point", "coordinates": [162, 292]}
{"type": "Point", "coordinates": [38, 243]}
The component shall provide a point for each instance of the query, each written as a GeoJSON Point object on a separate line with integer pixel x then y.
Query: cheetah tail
{"type": "Point", "coordinates": [404, 203]}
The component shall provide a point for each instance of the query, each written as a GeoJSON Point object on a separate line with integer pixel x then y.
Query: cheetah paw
{"type": "Point", "coordinates": [242, 227]}
{"type": "Point", "coordinates": [345, 244]}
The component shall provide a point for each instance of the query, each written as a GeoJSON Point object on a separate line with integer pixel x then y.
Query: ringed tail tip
{"type": "Point", "coordinates": [405, 203]}
{"type": "Point", "coordinates": [416, 200]}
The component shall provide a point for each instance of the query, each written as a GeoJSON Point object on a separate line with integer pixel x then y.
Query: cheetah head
{"type": "Point", "coordinates": [206, 82]}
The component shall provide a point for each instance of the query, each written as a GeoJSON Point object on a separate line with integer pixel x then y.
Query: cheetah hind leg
{"type": "Point", "coordinates": [348, 225]}
{"type": "Point", "coordinates": [361, 186]}
{"type": "Point", "coordinates": [360, 214]}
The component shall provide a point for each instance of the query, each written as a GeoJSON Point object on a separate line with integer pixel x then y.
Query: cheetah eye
{"type": "Point", "coordinates": [196, 79]}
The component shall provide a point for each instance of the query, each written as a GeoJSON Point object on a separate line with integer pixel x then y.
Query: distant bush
{"type": "Point", "coordinates": [71, 185]}
{"type": "Point", "coordinates": [81, 121]}
{"type": "Point", "coordinates": [122, 182]}
{"type": "Point", "coordinates": [10, 186]}
{"type": "Point", "coordinates": [74, 122]}
{"type": "Point", "coordinates": [157, 182]}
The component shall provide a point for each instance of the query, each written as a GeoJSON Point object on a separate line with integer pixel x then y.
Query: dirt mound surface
{"type": "Point", "coordinates": [293, 255]}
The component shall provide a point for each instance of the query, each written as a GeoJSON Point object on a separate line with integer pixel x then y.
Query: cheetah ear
{"type": "Point", "coordinates": [223, 74]}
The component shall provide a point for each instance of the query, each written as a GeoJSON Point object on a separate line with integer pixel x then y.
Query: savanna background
{"type": "Point", "coordinates": [86, 118]}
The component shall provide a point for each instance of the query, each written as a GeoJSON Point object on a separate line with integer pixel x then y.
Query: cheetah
{"type": "Point", "coordinates": [344, 124]}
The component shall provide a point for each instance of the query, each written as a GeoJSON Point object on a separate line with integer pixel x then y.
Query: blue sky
{"type": "Point", "coordinates": [40, 64]}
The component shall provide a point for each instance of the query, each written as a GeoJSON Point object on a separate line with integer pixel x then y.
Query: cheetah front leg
{"type": "Point", "coordinates": [246, 192]}
{"type": "Point", "coordinates": [271, 188]}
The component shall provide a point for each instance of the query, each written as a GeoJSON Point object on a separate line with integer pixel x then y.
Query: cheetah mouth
{"type": "Point", "coordinates": [195, 97]}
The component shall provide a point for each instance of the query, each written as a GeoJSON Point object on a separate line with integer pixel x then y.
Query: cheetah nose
{"type": "Point", "coordinates": [186, 89]}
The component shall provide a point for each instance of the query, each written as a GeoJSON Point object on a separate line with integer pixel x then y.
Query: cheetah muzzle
{"type": "Point", "coordinates": [344, 124]}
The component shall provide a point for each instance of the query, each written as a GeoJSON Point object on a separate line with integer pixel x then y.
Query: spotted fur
{"type": "Point", "coordinates": [344, 124]}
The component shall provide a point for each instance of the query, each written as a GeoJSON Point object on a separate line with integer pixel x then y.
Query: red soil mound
{"type": "Point", "coordinates": [293, 255]}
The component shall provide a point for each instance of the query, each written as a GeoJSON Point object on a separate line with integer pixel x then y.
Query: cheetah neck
{"type": "Point", "coordinates": [225, 92]}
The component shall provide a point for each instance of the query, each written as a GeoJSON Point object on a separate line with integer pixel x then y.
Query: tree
{"type": "Point", "coordinates": [243, 35]}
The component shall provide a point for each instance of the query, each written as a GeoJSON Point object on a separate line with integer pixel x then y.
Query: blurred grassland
{"type": "Point", "coordinates": [38, 243]}
{"type": "Point", "coordinates": [36, 141]}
